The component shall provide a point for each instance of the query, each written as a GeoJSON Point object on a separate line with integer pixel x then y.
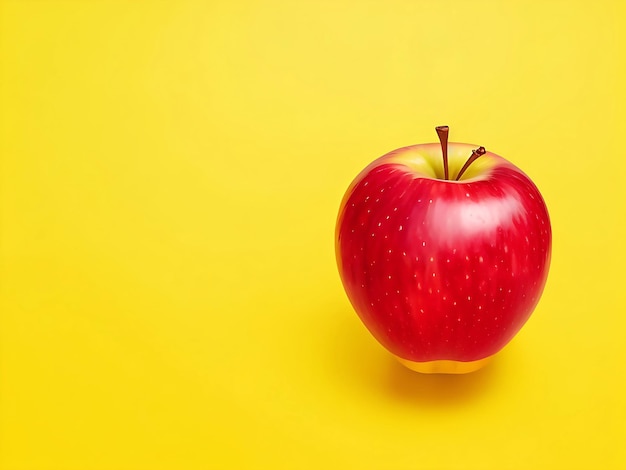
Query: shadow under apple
{"type": "Point", "coordinates": [364, 365]}
{"type": "Point", "coordinates": [405, 385]}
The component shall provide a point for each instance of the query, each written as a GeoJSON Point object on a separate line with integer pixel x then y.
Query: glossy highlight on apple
{"type": "Point", "coordinates": [443, 251]}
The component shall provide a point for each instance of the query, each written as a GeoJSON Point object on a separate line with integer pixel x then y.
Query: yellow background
{"type": "Point", "coordinates": [170, 178]}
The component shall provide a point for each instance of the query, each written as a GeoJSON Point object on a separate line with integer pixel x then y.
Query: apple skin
{"type": "Point", "coordinates": [443, 270]}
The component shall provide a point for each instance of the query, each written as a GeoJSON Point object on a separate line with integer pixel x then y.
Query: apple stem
{"type": "Point", "coordinates": [442, 133]}
{"type": "Point", "coordinates": [475, 155]}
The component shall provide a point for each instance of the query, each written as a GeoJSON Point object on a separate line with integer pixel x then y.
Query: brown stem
{"type": "Point", "coordinates": [475, 154]}
{"type": "Point", "coordinates": [442, 133]}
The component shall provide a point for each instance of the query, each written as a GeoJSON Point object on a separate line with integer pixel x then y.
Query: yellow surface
{"type": "Point", "coordinates": [170, 177]}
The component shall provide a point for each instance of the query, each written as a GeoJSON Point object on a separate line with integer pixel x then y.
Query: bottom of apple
{"type": "Point", "coordinates": [444, 366]}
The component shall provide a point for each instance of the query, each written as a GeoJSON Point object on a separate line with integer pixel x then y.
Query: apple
{"type": "Point", "coordinates": [443, 257]}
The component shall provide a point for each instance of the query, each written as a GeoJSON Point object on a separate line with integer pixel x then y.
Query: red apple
{"type": "Point", "coordinates": [444, 258]}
